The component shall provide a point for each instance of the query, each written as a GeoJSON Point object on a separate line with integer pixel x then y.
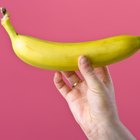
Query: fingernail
{"type": "Point", "coordinates": [83, 60]}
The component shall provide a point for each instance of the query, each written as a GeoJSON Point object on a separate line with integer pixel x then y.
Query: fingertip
{"type": "Point", "coordinates": [79, 58]}
{"type": "Point", "coordinates": [84, 64]}
{"type": "Point", "coordinates": [57, 76]}
{"type": "Point", "coordinates": [82, 59]}
{"type": "Point", "coordinates": [60, 84]}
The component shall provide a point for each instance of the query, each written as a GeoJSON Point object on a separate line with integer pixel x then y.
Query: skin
{"type": "Point", "coordinates": [92, 101]}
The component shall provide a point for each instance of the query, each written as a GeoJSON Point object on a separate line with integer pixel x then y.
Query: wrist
{"type": "Point", "coordinates": [108, 130]}
{"type": "Point", "coordinates": [103, 130]}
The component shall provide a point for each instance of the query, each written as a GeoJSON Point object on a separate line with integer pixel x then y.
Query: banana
{"type": "Point", "coordinates": [63, 56]}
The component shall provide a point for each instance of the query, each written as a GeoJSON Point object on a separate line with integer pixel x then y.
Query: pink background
{"type": "Point", "coordinates": [30, 106]}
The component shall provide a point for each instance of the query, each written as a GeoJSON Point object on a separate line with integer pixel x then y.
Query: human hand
{"type": "Point", "coordinates": [92, 101]}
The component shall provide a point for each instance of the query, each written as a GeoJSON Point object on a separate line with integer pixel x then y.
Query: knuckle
{"type": "Point", "coordinates": [89, 70]}
{"type": "Point", "coordinates": [60, 86]}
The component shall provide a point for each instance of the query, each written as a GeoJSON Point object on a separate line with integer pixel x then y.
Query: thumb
{"type": "Point", "coordinates": [88, 73]}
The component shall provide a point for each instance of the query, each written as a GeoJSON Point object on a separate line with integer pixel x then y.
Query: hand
{"type": "Point", "coordinates": [92, 101]}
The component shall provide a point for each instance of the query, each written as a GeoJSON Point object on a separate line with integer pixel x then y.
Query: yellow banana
{"type": "Point", "coordinates": [64, 56]}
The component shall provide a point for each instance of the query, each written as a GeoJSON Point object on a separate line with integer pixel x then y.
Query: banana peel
{"type": "Point", "coordinates": [63, 56]}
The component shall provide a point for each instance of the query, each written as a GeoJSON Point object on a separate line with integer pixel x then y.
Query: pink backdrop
{"type": "Point", "coordinates": [30, 106]}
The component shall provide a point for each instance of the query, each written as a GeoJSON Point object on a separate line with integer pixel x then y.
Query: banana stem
{"type": "Point", "coordinates": [3, 11]}
{"type": "Point", "coordinates": [5, 21]}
